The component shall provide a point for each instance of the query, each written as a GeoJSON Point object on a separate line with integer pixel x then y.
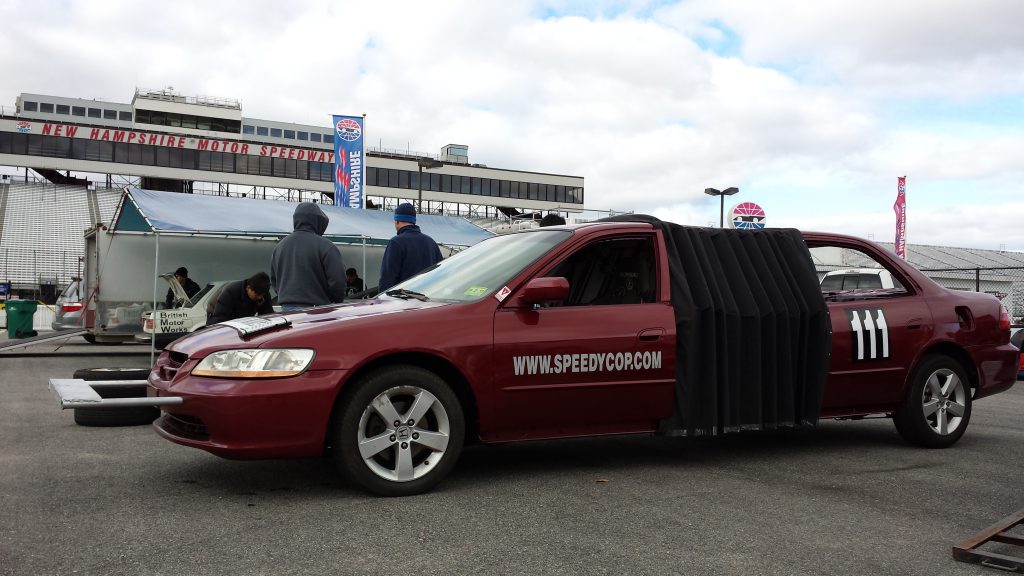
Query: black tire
{"type": "Point", "coordinates": [90, 338]}
{"type": "Point", "coordinates": [1018, 339]}
{"type": "Point", "coordinates": [92, 374]}
{"type": "Point", "coordinates": [124, 416]}
{"type": "Point", "coordinates": [356, 417]}
{"type": "Point", "coordinates": [937, 407]}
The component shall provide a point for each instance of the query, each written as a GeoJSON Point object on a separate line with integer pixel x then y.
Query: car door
{"type": "Point", "coordinates": [602, 361]}
{"type": "Point", "coordinates": [876, 334]}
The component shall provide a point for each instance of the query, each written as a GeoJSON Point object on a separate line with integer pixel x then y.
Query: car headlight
{"type": "Point", "coordinates": [255, 363]}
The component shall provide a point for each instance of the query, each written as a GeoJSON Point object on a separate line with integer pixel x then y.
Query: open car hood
{"type": "Point", "coordinates": [180, 297]}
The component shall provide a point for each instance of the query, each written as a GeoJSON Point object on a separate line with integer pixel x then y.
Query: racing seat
{"type": "Point", "coordinates": [613, 272]}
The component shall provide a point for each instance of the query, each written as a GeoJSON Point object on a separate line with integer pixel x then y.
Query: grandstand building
{"type": "Point", "coordinates": [172, 142]}
{"type": "Point", "coordinates": [71, 156]}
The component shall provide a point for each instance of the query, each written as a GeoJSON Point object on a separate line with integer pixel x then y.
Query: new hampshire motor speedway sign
{"type": "Point", "coordinates": [165, 140]}
{"type": "Point", "coordinates": [349, 169]}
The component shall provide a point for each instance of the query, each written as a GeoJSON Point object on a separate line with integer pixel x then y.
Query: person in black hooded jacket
{"type": "Point", "coordinates": [306, 269]}
{"type": "Point", "coordinates": [249, 297]}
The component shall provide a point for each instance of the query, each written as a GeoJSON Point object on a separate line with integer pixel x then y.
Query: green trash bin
{"type": "Point", "coordinates": [19, 318]}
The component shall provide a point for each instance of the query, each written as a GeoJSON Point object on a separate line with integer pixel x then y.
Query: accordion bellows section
{"type": "Point", "coordinates": [753, 332]}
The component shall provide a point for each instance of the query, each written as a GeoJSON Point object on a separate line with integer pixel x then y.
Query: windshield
{"type": "Point", "coordinates": [198, 296]}
{"type": "Point", "coordinates": [482, 269]}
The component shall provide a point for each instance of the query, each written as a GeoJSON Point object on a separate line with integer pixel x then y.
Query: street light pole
{"type": "Point", "coordinates": [721, 195]}
{"type": "Point", "coordinates": [422, 163]}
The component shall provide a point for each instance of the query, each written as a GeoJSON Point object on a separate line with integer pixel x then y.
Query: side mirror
{"type": "Point", "coordinates": [545, 291]}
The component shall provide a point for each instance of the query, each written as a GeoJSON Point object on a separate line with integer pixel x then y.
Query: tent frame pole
{"type": "Point", "coordinates": [152, 314]}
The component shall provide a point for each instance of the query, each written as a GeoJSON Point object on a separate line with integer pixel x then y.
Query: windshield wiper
{"type": "Point", "coordinates": [406, 294]}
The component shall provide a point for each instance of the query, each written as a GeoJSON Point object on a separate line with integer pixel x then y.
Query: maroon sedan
{"type": "Point", "coordinates": [577, 331]}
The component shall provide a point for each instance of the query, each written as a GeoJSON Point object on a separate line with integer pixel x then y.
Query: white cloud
{"type": "Point", "coordinates": [620, 93]}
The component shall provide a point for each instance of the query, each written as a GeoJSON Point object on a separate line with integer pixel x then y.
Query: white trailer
{"type": "Point", "coordinates": [217, 239]}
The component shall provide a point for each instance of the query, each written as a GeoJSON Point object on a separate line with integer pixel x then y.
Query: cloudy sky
{"type": "Point", "coordinates": [812, 109]}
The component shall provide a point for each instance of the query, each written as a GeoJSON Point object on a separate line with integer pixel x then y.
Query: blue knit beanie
{"type": "Point", "coordinates": [405, 213]}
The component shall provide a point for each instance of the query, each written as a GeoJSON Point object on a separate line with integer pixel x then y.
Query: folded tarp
{"type": "Point", "coordinates": [151, 211]}
{"type": "Point", "coordinates": [753, 334]}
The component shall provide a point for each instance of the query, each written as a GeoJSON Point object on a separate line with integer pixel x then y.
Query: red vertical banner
{"type": "Point", "coordinates": [900, 207]}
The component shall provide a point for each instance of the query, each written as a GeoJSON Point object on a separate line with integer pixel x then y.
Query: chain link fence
{"type": "Point", "coordinates": [1005, 283]}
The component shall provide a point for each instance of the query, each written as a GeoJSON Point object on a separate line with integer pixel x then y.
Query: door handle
{"type": "Point", "coordinates": [650, 334]}
{"type": "Point", "coordinates": [914, 323]}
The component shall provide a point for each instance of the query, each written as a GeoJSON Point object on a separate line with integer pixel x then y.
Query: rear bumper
{"type": "Point", "coordinates": [997, 369]}
{"type": "Point", "coordinates": [66, 323]}
{"type": "Point", "coordinates": [162, 340]}
{"type": "Point", "coordinates": [249, 419]}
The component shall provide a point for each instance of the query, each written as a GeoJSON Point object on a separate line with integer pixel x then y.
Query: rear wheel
{"type": "Point", "coordinates": [400, 432]}
{"type": "Point", "coordinates": [123, 416]}
{"type": "Point", "coordinates": [937, 408]}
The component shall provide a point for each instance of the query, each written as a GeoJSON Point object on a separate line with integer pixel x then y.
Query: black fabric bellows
{"type": "Point", "coordinates": [753, 334]}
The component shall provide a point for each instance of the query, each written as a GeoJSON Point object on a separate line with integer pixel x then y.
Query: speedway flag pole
{"type": "Point", "coordinates": [349, 168]}
{"type": "Point", "coordinates": [900, 207]}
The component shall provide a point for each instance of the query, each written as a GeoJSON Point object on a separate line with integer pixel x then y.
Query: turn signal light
{"type": "Point", "coordinates": [1004, 318]}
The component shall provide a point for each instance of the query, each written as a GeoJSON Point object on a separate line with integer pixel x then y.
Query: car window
{"type": "Point", "coordinates": [198, 296]}
{"type": "Point", "coordinates": [832, 283]}
{"type": "Point", "coordinates": [618, 271]}
{"type": "Point", "coordinates": [71, 293]}
{"type": "Point", "coordinates": [484, 268]}
{"type": "Point", "coordinates": [869, 281]}
{"type": "Point", "coordinates": [851, 273]}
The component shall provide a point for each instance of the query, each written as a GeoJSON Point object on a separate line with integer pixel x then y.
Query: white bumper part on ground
{"type": "Point", "coordinates": [75, 393]}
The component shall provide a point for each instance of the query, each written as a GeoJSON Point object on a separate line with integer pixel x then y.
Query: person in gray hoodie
{"type": "Point", "coordinates": [306, 269]}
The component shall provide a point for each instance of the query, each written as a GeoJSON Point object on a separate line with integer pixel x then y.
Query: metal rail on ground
{"type": "Point", "coordinates": [6, 345]}
{"type": "Point", "coordinates": [1001, 532]}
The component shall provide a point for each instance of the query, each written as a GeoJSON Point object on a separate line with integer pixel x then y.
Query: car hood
{"type": "Point", "coordinates": [176, 289]}
{"type": "Point", "coordinates": [307, 327]}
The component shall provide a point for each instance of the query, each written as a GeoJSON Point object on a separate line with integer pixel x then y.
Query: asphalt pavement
{"type": "Point", "coordinates": [846, 498]}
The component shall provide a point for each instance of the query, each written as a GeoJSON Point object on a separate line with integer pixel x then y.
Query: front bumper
{"type": "Point", "coordinates": [246, 419]}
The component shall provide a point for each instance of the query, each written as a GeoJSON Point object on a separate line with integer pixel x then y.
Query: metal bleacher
{"type": "Point", "coordinates": [107, 199]}
{"type": "Point", "coordinates": [42, 233]}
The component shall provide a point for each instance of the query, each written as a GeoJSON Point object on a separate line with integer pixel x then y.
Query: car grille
{"type": "Point", "coordinates": [168, 363]}
{"type": "Point", "coordinates": [184, 426]}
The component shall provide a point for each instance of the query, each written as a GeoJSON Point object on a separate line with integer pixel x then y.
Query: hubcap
{"type": "Point", "coordinates": [403, 433]}
{"type": "Point", "coordinates": [944, 401]}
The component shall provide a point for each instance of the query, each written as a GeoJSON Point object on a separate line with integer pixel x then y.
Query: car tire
{"type": "Point", "coordinates": [1018, 339]}
{"type": "Point", "coordinates": [937, 407]}
{"type": "Point", "coordinates": [93, 374]}
{"type": "Point", "coordinates": [391, 457]}
{"type": "Point", "coordinates": [125, 416]}
{"type": "Point", "coordinates": [90, 338]}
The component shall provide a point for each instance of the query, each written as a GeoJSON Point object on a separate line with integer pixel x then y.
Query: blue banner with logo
{"type": "Point", "coordinates": [349, 168]}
